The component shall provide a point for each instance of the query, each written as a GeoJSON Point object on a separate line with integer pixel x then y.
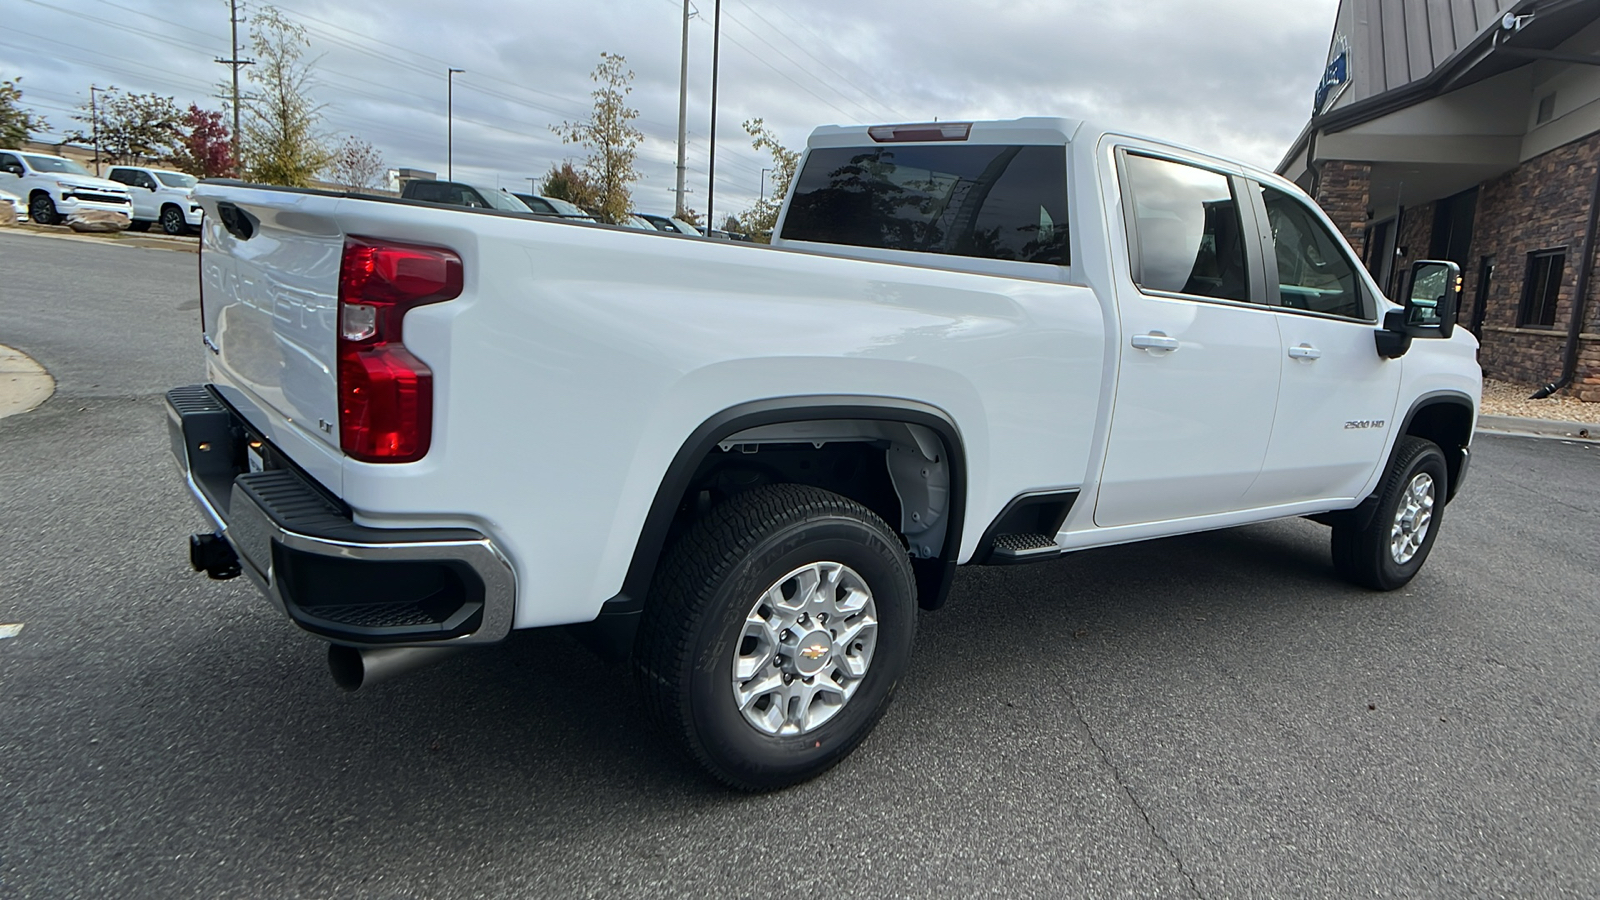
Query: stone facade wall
{"type": "Point", "coordinates": [1344, 192]}
{"type": "Point", "coordinates": [1413, 236]}
{"type": "Point", "coordinates": [1541, 205]}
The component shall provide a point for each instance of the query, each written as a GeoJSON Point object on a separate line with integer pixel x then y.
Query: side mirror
{"type": "Point", "coordinates": [1429, 310]}
{"type": "Point", "coordinates": [12, 168]}
{"type": "Point", "coordinates": [1431, 304]}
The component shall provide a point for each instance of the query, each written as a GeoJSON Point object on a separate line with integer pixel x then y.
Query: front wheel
{"type": "Point", "coordinates": [776, 631]}
{"type": "Point", "coordinates": [42, 210]}
{"type": "Point", "coordinates": [1391, 549]}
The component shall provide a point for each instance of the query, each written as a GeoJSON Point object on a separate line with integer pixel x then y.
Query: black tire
{"type": "Point", "coordinates": [42, 210]}
{"type": "Point", "coordinates": [137, 225]}
{"type": "Point", "coordinates": [1365, 556]}
{"type": "Point", "coordinates": [172, 221]}
{"type": "Point", "coordinates": [690, 633]}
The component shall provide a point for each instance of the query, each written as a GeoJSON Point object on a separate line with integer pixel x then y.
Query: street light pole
{"type": "Point", "coordinates": [449, 122]}
{"type": "Point", "coordinates": [683, 106]}
{"type": "Point", "coordinates": [94, 126]}
{"type": "Point", "coordinates": [764, 172]}
{"type": "Point", "coordinates": [711, 176]}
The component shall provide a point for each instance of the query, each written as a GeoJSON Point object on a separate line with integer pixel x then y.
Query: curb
{"type": "Point", "coordinates": [125, 239]}
{"type": "Point", "coordinates": [1572, 431]}
{"type": "Point", "coordinates": [24, 384]}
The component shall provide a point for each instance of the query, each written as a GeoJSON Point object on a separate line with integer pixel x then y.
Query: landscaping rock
{"type": "Point", "coordinates": [98, 221]}
{"type": "Point", "coordinates": [8, 215]}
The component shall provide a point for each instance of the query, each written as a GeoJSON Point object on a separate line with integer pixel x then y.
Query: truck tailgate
{"type": "Point", "coordinates": [269, 281]}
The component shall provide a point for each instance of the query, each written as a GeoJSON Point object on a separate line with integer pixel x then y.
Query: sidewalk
{"type": "Point", "coordinates": [24, 383]}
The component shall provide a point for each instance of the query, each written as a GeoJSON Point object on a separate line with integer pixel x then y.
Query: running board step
{"type": "Point", "coordinates": [1021, 548]}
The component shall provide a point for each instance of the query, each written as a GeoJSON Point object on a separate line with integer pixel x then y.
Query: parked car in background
{"type": "Point", "coordinates": [18, 205]}
{"type": "Point", "coordinates": [56, 187]}
{"type": "Point", "coordinates": [459, 193]}
{"type": "Point", "coordinates": [160, 197]}
{"type": "Point", "coordinates": [670, 224]}
{"type": "Point", "coordinates": [554, 206]}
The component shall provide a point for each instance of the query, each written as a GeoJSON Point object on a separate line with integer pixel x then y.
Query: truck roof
{"type": "Point", "coordinates": [1030, 130]}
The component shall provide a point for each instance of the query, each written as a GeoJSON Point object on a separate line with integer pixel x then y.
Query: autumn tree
{"type": "Point", "coordinates": [282, 144]}
{"type": "Point", "coordinates": [611, 139]}
{"type": "Point", "coordinates": [357, 165]}
{"type": "Point", "coordinates": [761, 218]}
{"type": "Point", "coordinates": [16, 123]}
{"type": "Point", "coordinates": [565, 182]}
{"type": "Point", "coordinates": [130, 129]}
{"type": "Point", "coordinates": [205, 147]}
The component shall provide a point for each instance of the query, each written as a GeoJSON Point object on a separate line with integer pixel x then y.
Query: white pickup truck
{"type": "Point", "coordinates": [746, 467]}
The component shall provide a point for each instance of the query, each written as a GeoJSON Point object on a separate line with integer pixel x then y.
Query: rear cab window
{"type": "Point", "coordinates": [984, 201]}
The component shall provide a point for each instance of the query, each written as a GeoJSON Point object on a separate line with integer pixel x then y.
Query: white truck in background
{"type": "Point", "coordinates": [745, 467]}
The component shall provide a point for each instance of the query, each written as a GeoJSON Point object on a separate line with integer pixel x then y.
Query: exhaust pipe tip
{"type": "Point", "coordinates": [353, 668]}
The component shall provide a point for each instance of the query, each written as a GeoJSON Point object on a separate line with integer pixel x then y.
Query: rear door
{"type": "Point", "coordinates": [1337, 401]}
{"type": "Point", "coordinates": [1199, 359]}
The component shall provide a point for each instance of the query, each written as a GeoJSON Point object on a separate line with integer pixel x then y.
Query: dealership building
{"type": "Point", "coordinates": [1469, 130]}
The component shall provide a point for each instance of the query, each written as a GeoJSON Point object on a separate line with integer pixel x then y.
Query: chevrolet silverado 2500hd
{"type": "Point", "coordinates": [746, 467]}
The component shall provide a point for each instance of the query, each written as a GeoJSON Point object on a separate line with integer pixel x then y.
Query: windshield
{"type": "Point", "coordinates": [503, 200]}
{"type": "Point", "coordinates": [54, 164]}
{"type": "Point", "coordinates": [176, 179]}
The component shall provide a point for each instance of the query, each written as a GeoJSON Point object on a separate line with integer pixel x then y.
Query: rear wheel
{"type": "Point", "coordinates": [777, 629]}
{"type": "Point", "coordinates": [1391, 549]}
{"type": "Point", "coordinates": [42, 209]}
{"type": "Point", "coordinates": [172, 221]}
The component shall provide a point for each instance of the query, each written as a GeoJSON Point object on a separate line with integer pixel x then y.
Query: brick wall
{"type": "Point", "coordinates": [1343, 191]}
{"type": "Point", "coordinates": [1541, 205]}
{"type": "Point", "coordinates": [1414, 235]}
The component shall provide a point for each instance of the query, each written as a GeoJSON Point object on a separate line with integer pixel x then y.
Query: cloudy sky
{"type": "Point", "coordinates": [1235, 76]}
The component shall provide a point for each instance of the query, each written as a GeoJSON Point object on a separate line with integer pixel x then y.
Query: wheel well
{"type": "Point", "coordinates": [170, 205]}
{"type": "Point", "coordinates": [1448, 423]}
{"type": "Point", "coordinates": [905, 462]}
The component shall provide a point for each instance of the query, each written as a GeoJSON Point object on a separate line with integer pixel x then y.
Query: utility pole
{"type": "Point", "coordinates": [449, 122]}
{"type": "Point", "coordinates": [235, 62]}
{"type": "Point", "coordinates": [711, 177]}
{"type": "Point", "coordinates": [683, 106]}
{"type": "Point", "coordinates": [94, 128]}
{"type": "Point", "coordinates": [533, 184]}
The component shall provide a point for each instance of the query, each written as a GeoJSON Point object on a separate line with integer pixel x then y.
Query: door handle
{"type": "Point", "coordinates": [1155, 340]}
{"type": "Point", "coordinates": [1305, 351]}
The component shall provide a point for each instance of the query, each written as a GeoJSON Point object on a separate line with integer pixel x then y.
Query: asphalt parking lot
{"type": "Point", "coordinates": [1210, 716]}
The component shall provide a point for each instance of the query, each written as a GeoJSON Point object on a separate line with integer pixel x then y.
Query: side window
{"type": "Point", "coordinates": [1313, 273]}
{"type": "Point", "coordinates": [7, 159]}
{"type": "Point", "coordinates": [121, 176]}
{"type": "Point", "coordinates": [145, 181]}
{"type": "Point", "coordinates": [1186, 230]}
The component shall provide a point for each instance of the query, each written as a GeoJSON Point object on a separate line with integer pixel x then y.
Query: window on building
{"type": "Point", "coordinates": [1543, 287]}
{"type": "Point", "coordinates": [1187, 231]}
{"type": "Point", "coordinates": [1313, 272]}
{"type": "Point", "coordinates": [1547, 109]}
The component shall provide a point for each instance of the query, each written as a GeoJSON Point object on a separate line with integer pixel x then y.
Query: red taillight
{"type": "Point", "coordinates": [385, 393]}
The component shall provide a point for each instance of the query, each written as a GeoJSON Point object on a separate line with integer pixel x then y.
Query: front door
{"type": "Point", "coordinates": [1199, 356]}
{"type": "Point", "coordinates": [1336, 403]}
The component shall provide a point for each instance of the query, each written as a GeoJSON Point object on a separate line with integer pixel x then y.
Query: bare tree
{"type": "Point", "coordinates": [281, 142]}
{"type": "Point", "coordinates": [357, 165]}
{"type": "Point", "coordinates": [612, 140]}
